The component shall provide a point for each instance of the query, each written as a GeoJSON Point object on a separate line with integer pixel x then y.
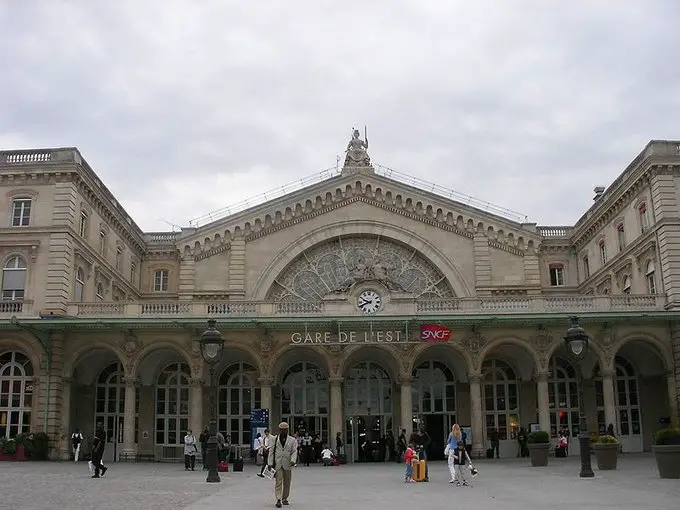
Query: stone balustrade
{"type": "Point", "coordinates": [452, 306]}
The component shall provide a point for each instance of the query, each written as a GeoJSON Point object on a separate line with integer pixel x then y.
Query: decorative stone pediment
{"type": "Point", "coordinates": [342, 191]}
{"type": "Point", "coordinates": [604, 287]}
{"type": "Point", "coordinates": [645, 253]}
{"type": "Point", "coordinates": [622, 271]}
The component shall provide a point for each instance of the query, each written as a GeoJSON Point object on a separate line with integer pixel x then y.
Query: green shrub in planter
{"type": "Point", "coordinates": [539, 448]}
{"type": "Point", "coordinates": [9, 447]}
{"type": "Point", "coordinates": [538, 437]}
{"type": "Point", "coordinates": [606, 439]}
{"type": "Point", "coordinates": [37, 445]}
{"type": "Point", "coordinates": [666, 450]}
{"type": "Point", "coordinates": [667, 437]}
{"type": "Point", "coordinates": [606, 450]}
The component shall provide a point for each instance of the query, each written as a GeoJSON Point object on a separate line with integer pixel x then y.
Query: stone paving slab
{"type": "Point", "coordinates": [506, 484]}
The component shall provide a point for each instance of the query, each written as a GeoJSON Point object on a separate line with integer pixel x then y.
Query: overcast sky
{"type": "Point", "coordinates": [184, 107]}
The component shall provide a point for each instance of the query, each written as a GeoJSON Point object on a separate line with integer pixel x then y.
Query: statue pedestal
{"type": "Point", "coordinates": [357, 170]}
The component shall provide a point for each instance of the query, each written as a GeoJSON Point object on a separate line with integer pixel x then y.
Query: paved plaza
{"type": "Point", "coordinates": [506, 484]}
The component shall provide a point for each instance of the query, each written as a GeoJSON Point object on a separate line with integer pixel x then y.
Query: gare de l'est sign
{"type": "Point", "coordinates": [428, 333]}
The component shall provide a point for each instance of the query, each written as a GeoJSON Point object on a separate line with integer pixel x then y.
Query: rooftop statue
{"type": "Point", "coordinates": [356, 154]}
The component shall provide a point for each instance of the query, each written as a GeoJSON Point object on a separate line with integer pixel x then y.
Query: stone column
{"type": "Point", "coordinates": [65, 443]}
{"type": "Point", "coordinates": [266, 384]}
{"type": "Point", "coordinates": [476, 420]}
{"type": "Point", "coordinates": [336, 410]}
{"type": "Point", "coordinates": [673, 399]}
{"type": "Point", "coordinates": [543, 401]}
{"type": "Point", "coordinates": [129, 445]}
{"type": "Point", "coordinates": [609, 399]}
{"type": "Point", "coordinates": [196, 399]}
{"type": "Point", "coordinates": [406, 404]}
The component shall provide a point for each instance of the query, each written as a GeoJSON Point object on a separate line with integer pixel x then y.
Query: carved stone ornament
{"type": "Point", "coordinates": [356, 154]}
{"type": "Point", "coordinates": [604, 288]}
{"type": "Point", "coordinates": [475, 342]}
{"type": "Point", "coordinates": [606, 337]}
{"type": "Point", "coordinates": [542, 341]}
{"type": "Point", "coordinates": [195, 347]}
{"type": "Point", "coordinates": [131, 343]}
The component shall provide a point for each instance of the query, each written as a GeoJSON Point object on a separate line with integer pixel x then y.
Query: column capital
{"type": "Point", "coordinates": [405, 380]}
{"type": "Point", "coordinates": [196, 381]}
{"type": "Point", "coordinates": [266, 381]}
{"type": "Point", "coordinates": [130, 381]}
{"type": "Point", "coordinates": [608, 374]}
{"type": "Point", "coordinates": [336, 379]}
{"type": "Point", "coordinates": [541, 376]}
{"type": "Point", "coordinates": [474, 377]}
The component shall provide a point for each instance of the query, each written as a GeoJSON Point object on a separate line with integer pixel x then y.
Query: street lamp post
{"type": "Point", "coordinates": [212, 345]}
{"type": "Point", "coordinates": [577, 345]}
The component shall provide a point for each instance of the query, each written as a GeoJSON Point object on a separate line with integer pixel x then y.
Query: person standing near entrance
{"type": "Point", "coordinates": [76, 441]}
{"type": "Point", "coordinates": [267, 445]}
{"type": "Point", "coordinates": [203, 439]}
{"type": "Point", "coordinates": [98, 445]}
{"type": "Point", "coordinates": [190, 451]}
{"type": "Point", "coordinates": [282, 460]}
{"type": "Point", "coordinates": [495, 442]}
{"type": "Point", "coordinates": [307, 449]}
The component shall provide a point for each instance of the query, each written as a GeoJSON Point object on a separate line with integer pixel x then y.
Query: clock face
{"type": "Point", "coordinates": [369, 301]}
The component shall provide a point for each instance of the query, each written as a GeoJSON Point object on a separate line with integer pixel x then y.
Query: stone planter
{"type": "Point", "coordinates": [538, 452]}
{"type": "Point", "coordinates": [667, 460]}
{"type": "Point", "coordinates": [607, 455]}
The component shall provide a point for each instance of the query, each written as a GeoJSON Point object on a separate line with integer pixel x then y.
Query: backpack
{"type": "Point", "coordinates": [76, 438]}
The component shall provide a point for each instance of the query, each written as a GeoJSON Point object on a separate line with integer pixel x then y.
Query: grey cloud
{"type": "Point", "coordinates": [198, 105]}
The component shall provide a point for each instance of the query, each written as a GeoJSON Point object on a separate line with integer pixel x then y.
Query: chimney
{"type": "Point", "coordinates": [599, 191]}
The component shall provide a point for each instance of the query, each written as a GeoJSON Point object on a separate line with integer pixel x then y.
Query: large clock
{"type": "Point", "coordinates": [369, 302]}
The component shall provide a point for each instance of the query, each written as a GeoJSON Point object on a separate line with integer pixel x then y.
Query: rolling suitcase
{"type": "Point", "coordinates": [419, 470]}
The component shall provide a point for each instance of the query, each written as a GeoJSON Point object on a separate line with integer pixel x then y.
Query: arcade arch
{"type": "Point", "coordinates": [501, 403]}
{"type": "Point", "coordinates": [305, 398]}
{"type": "Point", "coordinates": [238, 394]}
{"type": "Point", "coordinates": [16, 393]}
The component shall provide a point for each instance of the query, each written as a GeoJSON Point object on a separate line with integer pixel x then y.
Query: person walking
{"type": "Point", "coordinates": [76, 441]}
{"type": "Point", "coordinates": [98, 445]}
{"type": "Point", "coordinates": [190, 450]}
{"type": "Point", "coordinates": [203, 440]}
{"type": "Point", "coordinates": [451, 444]}
{"type": "Point", "coordinates": [460, 461]}
{"type": "Point", "coordinates": [282, 460]}
{"type": "Point", "coordinates": [267, 445]}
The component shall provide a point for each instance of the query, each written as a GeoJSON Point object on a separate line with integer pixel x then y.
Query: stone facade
{"type": "Point", "coordinates": [101, 321]}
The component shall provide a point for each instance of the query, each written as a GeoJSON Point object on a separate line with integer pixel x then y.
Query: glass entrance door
{"type": "Point", "coordinates": [110, 409]}
{"type": "Point", "coordinates": [366, 438]}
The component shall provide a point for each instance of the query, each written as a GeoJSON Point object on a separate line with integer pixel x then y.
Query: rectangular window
{"type": "Point", "coordinates": [21, 212]}
{"type": "Point", "coordinates": [161, 280]}
{"type": "Point", "coordinates": [82, 227]}
{"type": "Point", "coordinates": [556, 275]}
{"type": "Point", "coordinates": [621, 236]}
{"type": "Point", "coordinates": [644, 219]}
{"type": "Point", "coordinates": [119, 258]}
{"type": "Point", "coordinates": [103, 242]}
{"type": "Point", "coordinates": [603, 253]}
{"type": "Point", "coordinates": [133, 272]}
{"type": "Point", "coordinates": [586, 266]}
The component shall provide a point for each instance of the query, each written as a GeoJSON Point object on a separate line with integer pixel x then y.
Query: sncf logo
{"type": "Point", "coordinates": [434, 333]}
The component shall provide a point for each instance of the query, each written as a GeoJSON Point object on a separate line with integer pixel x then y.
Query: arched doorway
{"type": "Point", "coordinates": [628, 426]}
{"type": "Point", "coordinates": [172, 409]}
{"type": "Point", "coordinates": [368, 408]}
{"type": "Point", "coordinates": [305, 399]}
{"type": "Point", "coordinates": [16, 394]}
{"type": "Point", "coordinates": [434, 403]}
{"type": "Point", "coordinates": [501, 404]}
{"type": "Point", "coordinates": [563, 399]}
{"type": "Point", "coordinates": [238, 393]}
{"type": "Point", "coordinates": [110, 408]}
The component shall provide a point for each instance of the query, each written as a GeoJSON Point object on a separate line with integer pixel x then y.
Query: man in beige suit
{"type": "Point", "coordinates": [282, 459]}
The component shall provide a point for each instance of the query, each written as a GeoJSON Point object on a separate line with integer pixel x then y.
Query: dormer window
{"type": "Point", "coordinates": [556, 275]}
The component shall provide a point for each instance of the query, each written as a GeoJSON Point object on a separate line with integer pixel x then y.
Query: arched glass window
{"type": "Point", "coordinates": [434, 389]}
{"type": "Point", "coordinates": [80, 285]}
{"type": "Point", "coordinates": [238, 394]}
{"type": "Point", "coordinates": [603, 252]}
{"type": "Point", "coordinates": [368, 390]}
{"type": "Point", "coordinates": [626, 393]}
{"type": "Point", "coordinates": [16, 394]}
{"type": "Point", "coordinates": [14, 279]}
{"type": "Point", "coordinates": [305, 398]}
{"type": "Point", "coordinates": [110, 404]}
{"type": "Point", "coordinates": [172, 404]}
{"type": "Point", "coordinates": [649, 276]}
{"type": "Point", "coordinates": [501, 399]}
{"type": "Point", "coordinates": [563, 398]}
